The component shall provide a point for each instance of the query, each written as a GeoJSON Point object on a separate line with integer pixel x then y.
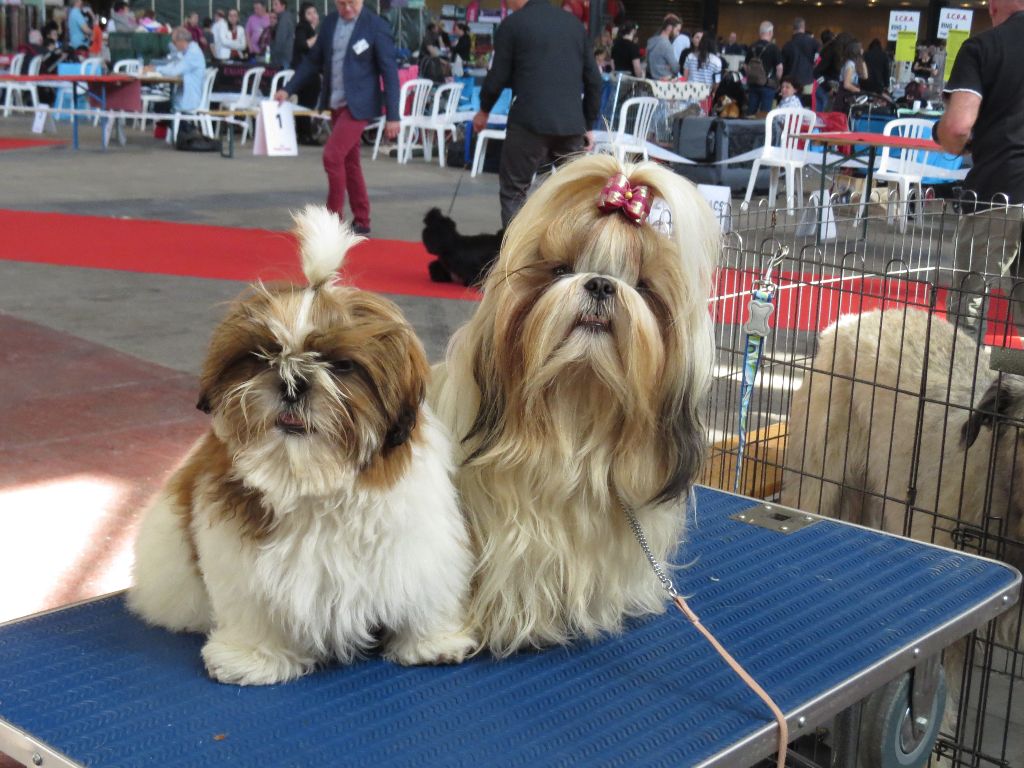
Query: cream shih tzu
{"type": "Point", "coordinates": [318, 512]}
{"type": "Point", "coordinates": [576, 389]}
{"type": "Point", "coordinates": [882, 383]}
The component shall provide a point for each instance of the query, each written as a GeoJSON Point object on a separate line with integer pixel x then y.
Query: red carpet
{"type": "Point", "coordinates": [195, 250]}
{"type": "Point", "coordinates": [399, 267]}
{"type": "Point", "coordinates": [6, 144]}
{"type": "Point", "coordinates": [812, 302]}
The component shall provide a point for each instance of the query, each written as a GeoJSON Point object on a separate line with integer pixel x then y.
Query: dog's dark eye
{"type": "Point", "coordinates": [343, 366]}
{"type": "Point", "coordinates": [642, 287]}
{"type": "Point", "coordinates": [561, 270]}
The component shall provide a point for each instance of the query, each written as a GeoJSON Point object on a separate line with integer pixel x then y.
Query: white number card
{"type": "Point", "coordinates": [275, 130]}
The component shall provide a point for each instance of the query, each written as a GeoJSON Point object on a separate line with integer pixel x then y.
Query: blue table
{"type": "Point", "coordinates": [806, 611]}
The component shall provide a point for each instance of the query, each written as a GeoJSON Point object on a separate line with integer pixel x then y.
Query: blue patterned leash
{"type": "Point", "coordinates": [760, 310]}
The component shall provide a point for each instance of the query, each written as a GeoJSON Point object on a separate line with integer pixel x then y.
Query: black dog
{"type": "Point", "coordinates": [465, 258]}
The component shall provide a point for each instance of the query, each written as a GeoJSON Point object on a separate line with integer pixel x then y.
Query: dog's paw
{"type": "Point", "coordinates": [448, 648]}
{"type": "Point", "coordinates": [439, 272]}
{"type": "Point", "coordinates": [242, 664]}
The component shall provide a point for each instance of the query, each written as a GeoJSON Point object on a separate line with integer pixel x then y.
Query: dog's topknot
{"type": "Point", "coordinates": [323, 241]}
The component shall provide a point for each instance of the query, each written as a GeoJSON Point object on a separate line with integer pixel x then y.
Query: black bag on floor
{"type": "Point", "coordinates": [191, 140]}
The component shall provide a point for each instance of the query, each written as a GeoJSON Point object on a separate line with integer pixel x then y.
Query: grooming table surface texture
{"type": "Point", "coordinates": [806, 613]}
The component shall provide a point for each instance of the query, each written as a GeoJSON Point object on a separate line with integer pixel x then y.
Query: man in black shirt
{"type": "Point", "coordinates": [798, 56]}
{"type": "Point", "coordinates": [764, 75]}
{"type": "Point", "coordinates": [985, 114]}
{"type": "Point", "coordinates": [545, 56]}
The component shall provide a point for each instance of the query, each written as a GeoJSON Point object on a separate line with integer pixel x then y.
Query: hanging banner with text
{"type": "Point", "coordinates": [903, 21]}
{"type": "Point", "coordinates": [906, 46]}
{"type": "Point", "coordinates": [956, 39]}
{"type": "Point", "coordinates": [954, 18]}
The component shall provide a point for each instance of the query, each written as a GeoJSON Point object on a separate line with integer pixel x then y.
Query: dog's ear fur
{"type": "Point", "coordinates": [401, 429]}
{"type": "Point", "coordinates": [439, 233]}
{"type": "Point", "coordinates": [1004, 398]}
{"type": "Point", "coordinates": [681, 428]}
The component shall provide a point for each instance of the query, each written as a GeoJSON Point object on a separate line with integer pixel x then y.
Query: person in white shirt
{"type": "Point", "coordinates": [788, 94]}
{"type": "Point", "coordinates": [190, 65]}
{"type": "Point", "coordinates": [680, 43]}
{"type": "Point", "coordinates": [228, 37]}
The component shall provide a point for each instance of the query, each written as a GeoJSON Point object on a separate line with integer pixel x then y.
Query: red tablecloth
{"type": "Point", "coordinates": [842, 138]}
{"type": "Point", "coordinates": [121, 92]}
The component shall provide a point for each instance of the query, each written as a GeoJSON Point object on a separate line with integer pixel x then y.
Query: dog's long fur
{"type": "Point", "coordinates": [561, 402]}
{"type": "Point", "coordinates": [848, 425]}
{"type": "Point", "coordinates": [318, 511]}
{"type": "Point", "coordinates": [466, 258]}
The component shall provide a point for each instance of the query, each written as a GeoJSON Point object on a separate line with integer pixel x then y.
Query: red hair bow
{"type": "Point", "coordinates": [634, 202]}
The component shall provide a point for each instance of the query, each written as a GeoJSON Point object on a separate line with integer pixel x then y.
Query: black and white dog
{"type": "Point", "coordinates": [462, 258]}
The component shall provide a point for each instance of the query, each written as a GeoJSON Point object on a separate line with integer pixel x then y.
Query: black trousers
{"type": "Point", "coordinates": [522, 155]}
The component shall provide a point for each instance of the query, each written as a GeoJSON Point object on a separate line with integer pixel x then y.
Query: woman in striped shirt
{"type": "Point", "coordinates": [704, 65]}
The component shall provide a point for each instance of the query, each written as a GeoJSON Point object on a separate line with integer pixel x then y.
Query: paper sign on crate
{"type": "Point", "coordinates": [720, 200]}
{"type": "Point", "coordinates": [42, 120]}
{"type": "Point", "coordinates": [275, 130]}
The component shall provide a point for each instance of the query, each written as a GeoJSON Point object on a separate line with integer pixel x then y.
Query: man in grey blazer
{"type": "Point", "coordinates": [545, 56]}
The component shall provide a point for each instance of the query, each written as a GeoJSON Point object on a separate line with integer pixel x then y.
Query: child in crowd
{"type": "Point", "coordinates": [788, 93]}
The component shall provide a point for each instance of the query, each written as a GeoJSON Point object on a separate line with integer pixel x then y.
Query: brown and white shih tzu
{"type": "Point", "coordinates": [319, 509]}
{"type": "Point", "coordinates": [575, 389]}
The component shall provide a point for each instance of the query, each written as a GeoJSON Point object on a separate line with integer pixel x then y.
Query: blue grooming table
{"type": "Point", "coordinates": [818, 616]}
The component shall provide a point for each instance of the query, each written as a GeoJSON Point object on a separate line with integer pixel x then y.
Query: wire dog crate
{"type": "Point", "coordinates": [884, 387]}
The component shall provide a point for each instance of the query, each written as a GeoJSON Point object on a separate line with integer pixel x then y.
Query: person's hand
{"type": "Point", "coordinates": [281, 95]}
{"type": "Point", "coordinates": [391, 130]}
{"type": "Point", "coordinates": [480, 120]}
{"type": "Point", "coordinates": [590, 141]}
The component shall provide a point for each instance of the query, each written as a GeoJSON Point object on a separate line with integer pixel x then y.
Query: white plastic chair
{"type": "Point", "coordinates": [440, 120]}
{"type": "Point", "coordinates": [902, 167]}
{"type": "Point", "coordinates": [788, 154]}
{"type": "Point", "coordinates": [127, 67]}
{"type": "Point", "coordinates": [201, 114]}
{"type": "Point", "coordinates": [248, 94]}
{"type": "Point", "coordinates": [16, 89]}
{"type": "Point", "coordinates": [414, 97]}
{"type": "Point", "coordinates": [249, 97]}
{"type": "Point", "coordinates": [280, 80]}
{"type": "Point", "coordinates": [14, 68]}
{"type": "Point", "coordinates": [487, 134]}
{"type": "Point", "coordinates": [94, 66]}
{"type": "Point", "coordinates": [378, 126]}
{"type": "Point", "coordinates": [640, 110]}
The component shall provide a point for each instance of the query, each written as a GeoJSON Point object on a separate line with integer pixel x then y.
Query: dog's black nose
{"type": "Point", "coordinates": [292, 394]}
{"type": "Point", "coordinates": [600, 287]}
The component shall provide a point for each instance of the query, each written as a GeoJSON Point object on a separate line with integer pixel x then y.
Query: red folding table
{"type": "Point", "coordinates": [860, 141]}
{"type": "Point", "coordinates": [122, 92]}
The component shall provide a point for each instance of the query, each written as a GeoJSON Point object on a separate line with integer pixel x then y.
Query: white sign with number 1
{"type": "Point", "coordinates": [275, 130]}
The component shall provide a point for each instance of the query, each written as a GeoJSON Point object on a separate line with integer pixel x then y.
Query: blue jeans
{"type": "Point", "coordinates": [760, 99]}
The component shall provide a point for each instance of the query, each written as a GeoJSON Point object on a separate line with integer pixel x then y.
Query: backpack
{"type": "Point", "coordinates": [436, 69]}
{"type": "Point", "coordinates": [756, 73]}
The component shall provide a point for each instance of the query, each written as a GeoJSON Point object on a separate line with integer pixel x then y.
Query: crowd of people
{"type": "Point", "coordinates": [275, 36]}
{"type": "Point", "coordinates": [833, 67]}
